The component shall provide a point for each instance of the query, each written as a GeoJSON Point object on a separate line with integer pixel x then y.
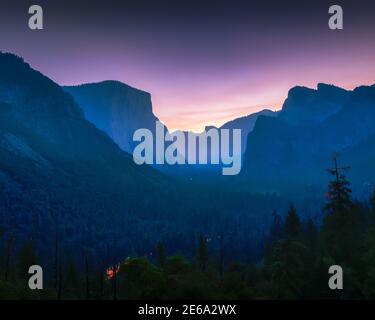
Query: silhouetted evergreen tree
{"type": "Point", "coordinates": [288, 262]}
{"type": "Point", "coordinates": [339, 192]}
{"type": "Point", "coordinates": [292, 226]}
{"type": "Point", "coordinates": [288, 269]}
{"type": "Point", "coordinates": [277, 228]}
{"type": "Point", "coordinates": [72, 283]}
{"type": "Point", "coordinates": [114, 281]}
{"type": "Point", "coordinates": [87, 277]}
{"type": "Point", "coordinates": [202, 254]}
{"type": "Point", "coordinates": [9, 251]}
{"type": "Point", "coordinates": [340, 225]}
{"type": "Point", "coordinates": [311, 238]}
{"type": "Point", "coordinates": [26, 258]}
{"type": "Point", "coordinates": [1, 250]}
{"type": "Point", "coordinates": [368, 258]}
{"type": "Point", "coordinates": [100, 285]}
{"type": "Point", "coordinates": [221, 255]}
{"type": "Point", "coordinates": [60, 282]}
{"type": "Point", "coordinates": [373, 207]}
{"type": "Point", "coordinates": [160, 254]}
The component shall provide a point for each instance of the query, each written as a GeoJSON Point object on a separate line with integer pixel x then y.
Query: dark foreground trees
{"type": "Point", "coordinates": [298, 254]}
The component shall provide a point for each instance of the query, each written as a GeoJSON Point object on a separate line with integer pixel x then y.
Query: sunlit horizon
{"type": "Point", "coordinates": [202, 67]}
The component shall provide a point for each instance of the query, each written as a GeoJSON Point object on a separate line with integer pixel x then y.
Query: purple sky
{"type": "Point", "coordinates": [203, 64]}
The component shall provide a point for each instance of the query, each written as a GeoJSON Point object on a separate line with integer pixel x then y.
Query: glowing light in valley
{"type": "Point", "coordinates": [112, 271]}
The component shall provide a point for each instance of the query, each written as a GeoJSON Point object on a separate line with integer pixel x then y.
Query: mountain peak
{"type": "Point", "coordinates": [109, 85]}
{"type": "Point", "coordinates": [20, 83]}
{"type": "Point", "coordinates": [116, 108]}
{"type": "Point", "coordinates": [364, 94]}
{"type": "Point", "coordinates": [300, 92]}
{"type": "Point", "coordinates": [11, 58]}
{"type": "Point", "coordinates": [206, 128]}
{"type": "Point", "coordinates": [330, 89]}
{"type": "Point", "coordinates": [309, 106]}
{"type": "Point", "coordinates": [247, 121]}
{"type": "Point", "coordinates": [362, 89]}
{"type": "Point", "coordinates": [14, 69]}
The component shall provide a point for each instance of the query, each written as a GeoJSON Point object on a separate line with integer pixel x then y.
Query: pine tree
{"type": "Point", "coordinates": [160, 254]}
{"type": "Point", "coordinates": [221, 256]}
{"type": "Point", "coordinates": [202, 254]}
{"type": "Point", "coordinates": [8, 254]}
{"type": "Point", "coordinates": [1, 249]}
{"type": "Point", "coordinates": [276, 234]}
{"type": "Point", "coordinates": [288, 269]}
{"type": "Point", "coordinates": [292, 224]}
{"type": "Point", "coordinates": [276, 228]}
{"type": "Point", "coordinates": [373, 207]}
{"type": "Point", "coordinates": [100, 285]}
{"type": "Point", "coordinates": [87, 277]}
{"type": "Point", "coordinates": [311, 236]}
{"type": "Point", "coordinates": [287, 260]}
{"type": "Point", "coordinates": [60, 282]}
{"type": "Point", "coordinates": [369, 256]}
{"type": "Point", "coordinates": [114, 281]}
{"type": "Point", "coordinates": [27, 258]}
{"type": "Point", "coordinates": [340, 225]}
{"type": "Point", "coordinates": [339, 192]}
{"type": "Point", "coordinates": [72, 282]}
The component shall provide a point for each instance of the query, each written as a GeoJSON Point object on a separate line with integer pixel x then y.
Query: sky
{"type": "Point", "coordinates": [204, 62]}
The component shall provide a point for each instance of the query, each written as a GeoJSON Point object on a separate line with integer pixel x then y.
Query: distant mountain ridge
{"type": "Point", "coordinates": [61, 176]}
{"type": "Point", "coordinates": [293, 151]}
{"type": "Point", "coordinates": [280, 150]}
{"type": "Point", "coordinates": [247, 124]}
{"type": "Point", "coordinates": [119, 110]}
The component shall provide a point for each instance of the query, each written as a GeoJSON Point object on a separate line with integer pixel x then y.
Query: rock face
{"type": "Point", "coordinates": [119, 110]}
{"type": "Point", "coordinates": [55, 163]}
{"type": "Point", "coordinates": [115, 108]}
{"type": "Point", "coordinates": [294, 150]}
{"type": "Point", "coordinates": [247, 124]}
{"type": "Point", "coordinates": [38, 115]}
{"type": "Point", "coordinates": [308, 106]}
